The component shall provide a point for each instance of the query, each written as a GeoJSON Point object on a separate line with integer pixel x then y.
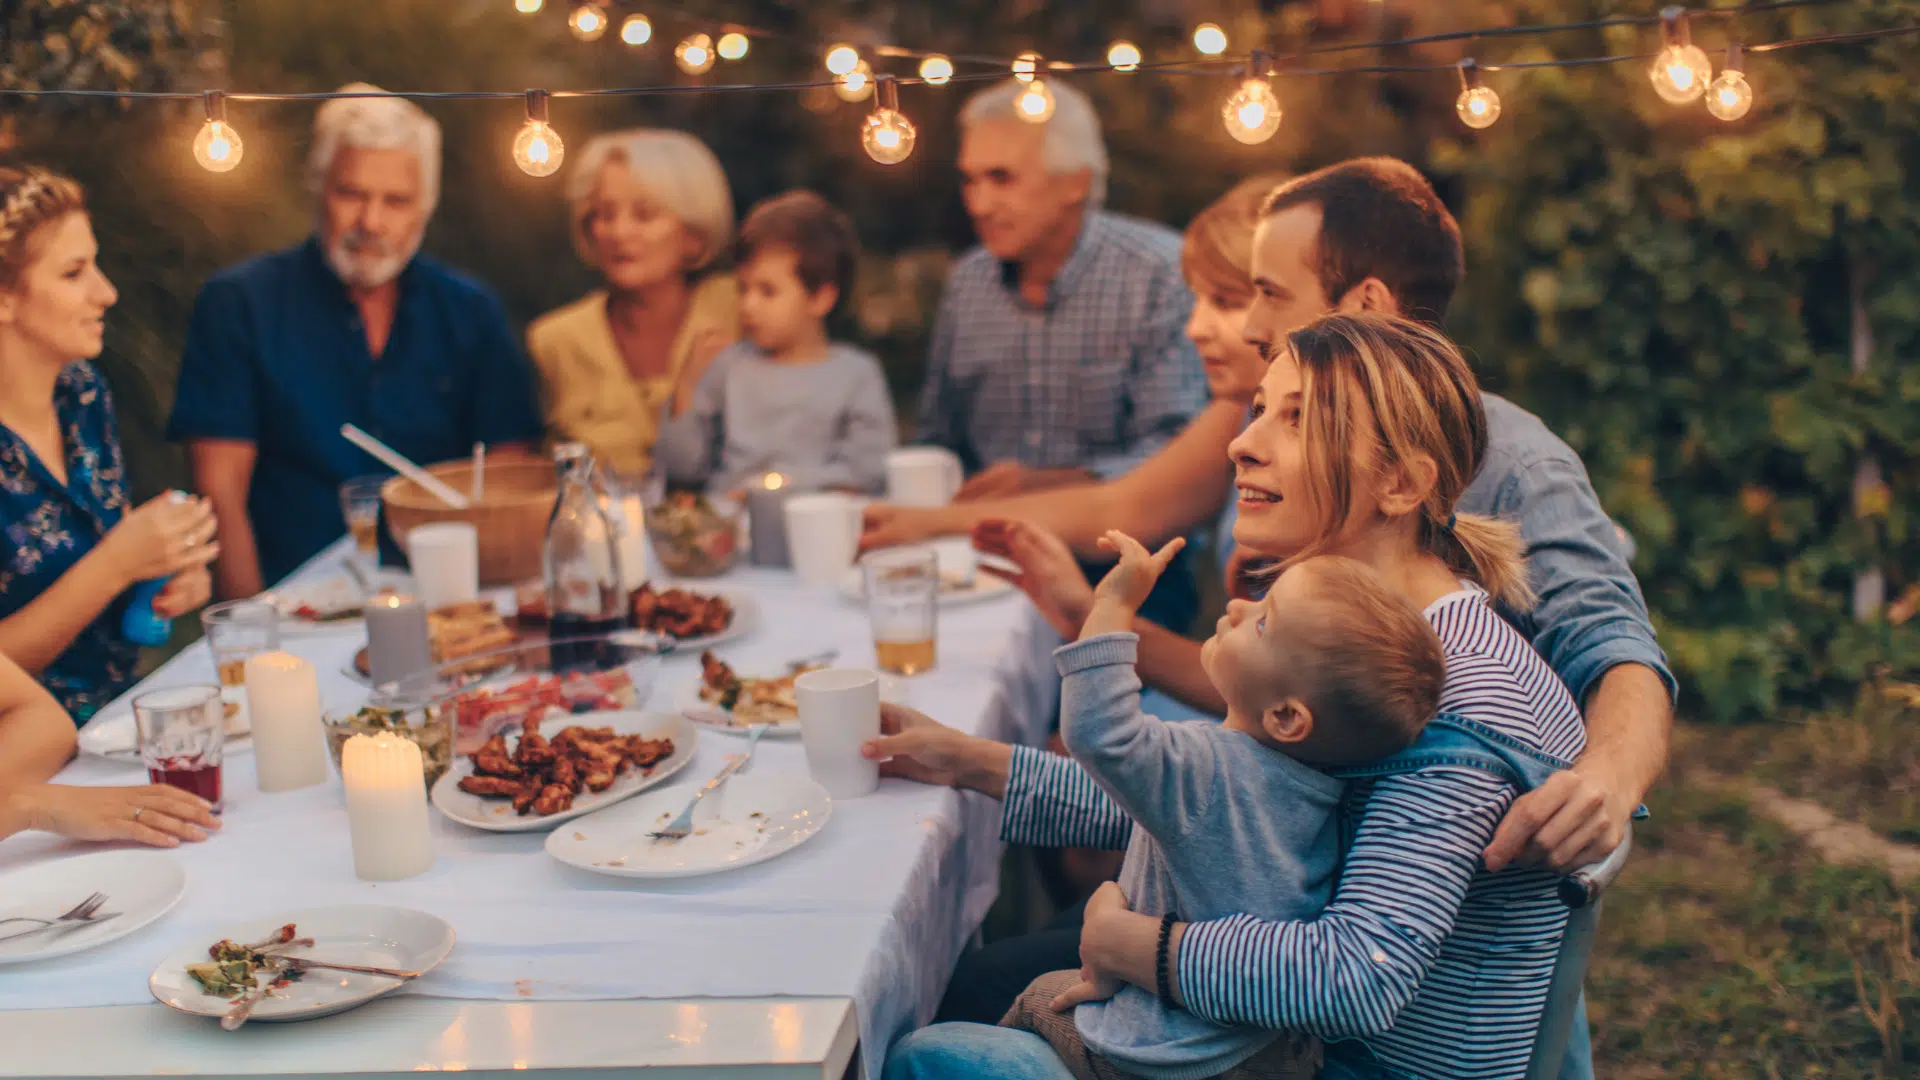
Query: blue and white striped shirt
{"type": "Point", "coordinates": [1099, 377]}
{"type": "Point", "coordinates": [1438, 967]}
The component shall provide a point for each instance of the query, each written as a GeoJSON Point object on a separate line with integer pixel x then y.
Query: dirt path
{"type": "Point", "coordinates": [1835, 840]}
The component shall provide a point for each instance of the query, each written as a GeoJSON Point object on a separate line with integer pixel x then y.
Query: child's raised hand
{"type": "Point", "coordinates": [1133, 577]}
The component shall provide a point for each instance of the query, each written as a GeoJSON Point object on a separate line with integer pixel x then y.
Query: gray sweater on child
{"type": "Point", "coordinates": [827, 424]}
{"type": "Point", "coordinates": [1246, 829]}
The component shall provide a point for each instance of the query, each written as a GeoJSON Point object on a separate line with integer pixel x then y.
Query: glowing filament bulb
{"type": "Point", "coordinates": [636, 30]}
{"type": "Point", "coordinates": [1730, 96]}
{"type": "Point", "coordinates": [694, 54]}
{"type": "Point", "coordinates": [887, 135]}
{"type": "Point", "coordinates": [842, 59]}
{"type": "Point", "coordinates": [588, 22]}
{"type": "Point", "coordinates": [733, 45]}
{"type": "Point", "coordinates": [1252, 114]}
{"type": "Point", "coordinates": [1209, 39]}
{"type": "Point", "coordinates": [217, 147]}
{"type": "Point", "coordinates": [936, 69]}
{"type": "Point", "coordinates": [1124, 56]}
{"type": "Point", "coordinates": [1477, 106]}
{"type": "Point", "coordinates": [1025, 65]}
{"type": "Point", "coordinates": [1035, 103]}
{"type": "Point", "coordinates": [1680, 73]}
{"type": "Point", "coordinates": [527, 7]}
{"type": "Point", "coordinates": [855, 85]}
{"type": "Point", "coordinates": [538, 149]}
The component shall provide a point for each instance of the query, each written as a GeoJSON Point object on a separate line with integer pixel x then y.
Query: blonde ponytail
{"type": "Point", "coordinates": [1487, 551]}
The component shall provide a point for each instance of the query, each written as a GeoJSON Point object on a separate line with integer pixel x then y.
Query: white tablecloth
{"type": "Point", "coordinates": [876, 908]}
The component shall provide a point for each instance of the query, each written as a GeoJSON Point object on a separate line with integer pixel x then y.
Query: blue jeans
{"type": "Point", "coordinates": [973, 1052]}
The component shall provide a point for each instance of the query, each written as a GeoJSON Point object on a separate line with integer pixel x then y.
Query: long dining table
{"type": "Point", "coordinates": [809, 964]}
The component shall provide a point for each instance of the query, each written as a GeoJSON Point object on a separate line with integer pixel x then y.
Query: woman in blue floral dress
{"type": "Point", "coordinates": [72, 548]}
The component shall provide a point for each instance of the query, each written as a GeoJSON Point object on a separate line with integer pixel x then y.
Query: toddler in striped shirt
{"type": "Point", "coordinates": [1330, 669]}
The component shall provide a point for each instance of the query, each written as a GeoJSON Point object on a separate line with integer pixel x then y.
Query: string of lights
{"type": "Point", "coordinates": [1681, 73]}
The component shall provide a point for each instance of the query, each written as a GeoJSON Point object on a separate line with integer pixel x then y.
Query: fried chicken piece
{"type": "Point", "coordinates": [553, 799]}
{"type": "Point", "coordinates": [600, 757]}
{"type": "Point", "coordinates": [490, 786]}
{"type": "Point", "coordinates": [492, 759]}
{"type": "Point", "coordinates": [534, 752]}
{"type": "Point", "coordinates": [715, 672]}
{"type": "Point", "coordinates": [523, 799]}
{"type": "Point", "coordinates": [645, 752]}
{"type": "Point", "coordinates": [566, 774]}
{"type": "Point", "coordinates": [599, 781]}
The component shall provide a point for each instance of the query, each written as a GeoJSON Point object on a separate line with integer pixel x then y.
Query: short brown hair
{"type": "Point", "coordinates": [1374, 669]}
{"type": "Point", "coordinates": [1379, 218]}
{"type": "Point", "coordinates": [819, 234]}
{"type": "Point", "coordinates": [31, 198]}
{"type": "Point", "coordinates": [1216, 253]}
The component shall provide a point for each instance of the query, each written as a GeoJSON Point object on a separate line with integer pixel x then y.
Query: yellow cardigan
{"type": "Point", "coordinates": [589, 394]}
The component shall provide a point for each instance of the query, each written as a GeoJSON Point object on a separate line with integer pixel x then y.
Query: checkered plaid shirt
{"type": "Point", "coordinates": [1099, 377]}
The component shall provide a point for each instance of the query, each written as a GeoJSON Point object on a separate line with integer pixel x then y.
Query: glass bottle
{"type": "Point", "coordinates": [581, 559]}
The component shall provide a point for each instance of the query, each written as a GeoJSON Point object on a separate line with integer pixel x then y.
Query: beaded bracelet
{"type": "Point", "coordinates": [1160, 960]}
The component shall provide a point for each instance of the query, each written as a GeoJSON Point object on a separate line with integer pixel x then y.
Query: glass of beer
{"type": "Point", "coordinates": [183, 737]}
{"type": "Point", "coordinates": [903, 596]}
{"type": "Point", "coordinates": [360, 504]}
{"type": "Point", "coordinates": [237, 631]}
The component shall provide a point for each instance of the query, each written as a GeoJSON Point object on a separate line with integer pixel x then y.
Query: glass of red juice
{"type": "Point", "coordinates": [183, 732]}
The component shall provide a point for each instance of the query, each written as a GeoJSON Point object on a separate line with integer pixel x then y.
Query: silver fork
{"type": "Point", "coordinates": [80, 913]}
{"type": "Point", "coordinates": [680, 827]}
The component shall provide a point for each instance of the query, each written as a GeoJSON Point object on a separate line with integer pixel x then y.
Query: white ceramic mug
{"type": "Point", "coordinates": [839, 710]}
{"type": "Point", "coordinates": [446, 563]}
{"type": "Point", "coordinates": [957, 559]}
{"type": "Point", "coordinates": [823, 535]}
{"type": "Point", "coordinates": [923, 476]}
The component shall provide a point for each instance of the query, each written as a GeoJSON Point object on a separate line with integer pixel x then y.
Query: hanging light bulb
{"type": "Point", "coordinates": [636, 30]}
{"type": "Point", "coordinates": [538, 149]}
{"type": "Point", "coordinates": [1252, 114]}
{"type": "Point", "coordinates": [1209, 39]}
{"type": "Point", "coordinates": [1477, 105]}
{"type": "Point", "coordinates": [694, 54]}
{"type": "Point", "coordinates": [1730, 96]}
{"type": "Point", "coordinates": [887, 134]}
{"type": "Point", "coordinates": [733, 45]}
{"type": "Point", "coordinates": [936, 69]}
{"type": "Point", "coordinates": [1035, 103]}
{"type": "Point", "coordinates": [1681, 71]}
{"type": "Point", "coordinates": [1025, 65]}
{"type": "Point", "coordinates": [842, 59]}
{"type": "Point", "coordinates": [588, 22]}
{"type": "Point", "coordinates": [217, 147]}
{"type": "Point", "coordinates": [1124, 56]}
{"type": "Point", "coordinates": [855, 85]}
{"type": "Point", "coordinates": [528, 7]}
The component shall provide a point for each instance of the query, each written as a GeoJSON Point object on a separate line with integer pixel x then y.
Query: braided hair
{"type": "Point", "coordinates": [31, 198]}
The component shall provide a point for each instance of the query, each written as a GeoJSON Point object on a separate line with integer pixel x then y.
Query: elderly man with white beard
{"type": "Point", "coordinates": [351, 326]}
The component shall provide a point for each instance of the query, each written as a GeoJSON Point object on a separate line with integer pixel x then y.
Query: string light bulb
{"type": "Point", "coordinates": [636, 30]}
{"type": "Point", "coordinates": [1209, 39]}
{"type": "Point", "coordinates": [1478, 106]}
{"type": "Point", "coordinates": [1124, 56]}
{"type": "Point", "coordinates": [1025, 65]}
{"type": "Point", "coordinates": [1730, 96]}
{"type": "Point", "coordinates": [1681, 70]}
{"type": "Point", "coordinates": [842, 59]}
{"type": "Point", "coordinates": [937, 70]}
{"type": "Point", "coordinates": [538, 149]}
{"type": "Point", "coordinates": [733, 45]}
{"type": "Point", "coordinates": [1035, 103]}
{"type": "Point", "coordinates": [217, 147]}
{"type": "Point", "coordinates": [855, 85]}
{"type": "Point", "coordinates": [528, 7]}
{"type": "Point", "coordinates": [588, 22]}
{"type": "Point", "coordinates": [887, 134]}
{"type": "Point", "coordinates": [1252, 113]}
{"type": "Point", "coordinates": [694, 54]}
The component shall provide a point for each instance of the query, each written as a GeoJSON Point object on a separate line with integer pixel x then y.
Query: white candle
{"type": "Point", "coordinates": [633, 542]}
{"type": "Point", "coordinates": [386, 807]}
{"type": "Point", "coordinates": [283, 702]}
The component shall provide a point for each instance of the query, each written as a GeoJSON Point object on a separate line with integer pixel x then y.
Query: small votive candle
{"type": "Point", "coordinates": [767, 519]}
{"type": "Point", "coordinates": [386, 807]}
{"type": "Point", "coordinates": [283, 701]}
{"type": "Point", "coordinates": [397, 641]}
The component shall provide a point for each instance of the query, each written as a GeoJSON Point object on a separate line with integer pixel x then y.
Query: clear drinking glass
{"type": "Point", "coordinates": [360, 504]}
{"type": "Point", "coordinates": [903, 598]}
{"type": "Point", "coordinates": [237, 631]}
{"type": "Point", "coordinates": [183, 736]}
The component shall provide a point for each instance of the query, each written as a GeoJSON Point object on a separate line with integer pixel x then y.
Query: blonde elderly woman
{"type": "Point", "coordinates": [651, 212]}
{"type": "Point", "coordinates": [352, 325]}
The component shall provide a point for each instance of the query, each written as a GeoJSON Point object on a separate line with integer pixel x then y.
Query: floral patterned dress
{"type": "Point", "coordinates": [49, 526]}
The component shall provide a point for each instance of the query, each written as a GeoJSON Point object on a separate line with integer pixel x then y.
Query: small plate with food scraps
{"type": "Point", "coordinates": [727, 701]}
{"type": "Point", "coordinates": [139, 886]}
{"type": "Point", "coordinates": [329, 602]}
{"type": "Point", "coordinates": [543, 773]}
{"type": "Point", "coordinates": [956, 590]}
{"type": "Point", "coordinates": [682, 618]}
{"type": "Point", "coordinates": [259, 964]}
{"type": "Point", "coordinates": [465, 635]}
{"type": "Point", "coordinates": [751, 819]}
{"type": "Point", "coordinates": [114, 734]}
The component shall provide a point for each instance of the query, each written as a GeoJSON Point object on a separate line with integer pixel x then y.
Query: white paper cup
{"type": "Point", "coordinates": [957, 559]}
{"type": "Point", "coordinates": [839, 710]}
{"type": "Point", "coordinates": [823, 534]}
{"type": "Point", "coordinates": [923, 476]}
{"type": "Point", "coordinates": [446, 563]}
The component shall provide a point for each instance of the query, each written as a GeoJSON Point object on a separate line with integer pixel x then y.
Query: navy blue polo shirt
{"type": "Point", "coordinates": [276, 355]}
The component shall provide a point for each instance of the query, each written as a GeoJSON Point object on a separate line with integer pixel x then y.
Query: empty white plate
{"type": "Point", "coordinates": [496, 814]}
{"type": "Point", "coordinates": [751, 819]}
{"type": "Point", "coordinates": [140, 885]}
{"type": "Point", "coordinates": [370, 935]}
{"type": "Point", "coordinates": [115, 735]}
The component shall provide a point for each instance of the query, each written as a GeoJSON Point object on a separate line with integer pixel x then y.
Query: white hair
{"type": "Point", "coordinates": [1073, 139]}
{"type": "Point", "coordinates": [375, 123]}
{"type": "Point", "coordinates": [675, 168]}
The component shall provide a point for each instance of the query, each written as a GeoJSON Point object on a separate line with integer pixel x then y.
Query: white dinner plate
{"type": "Point", "coordinates": [370, 935]}
{"type": "Point", "coordinates": [140, 885]}
{"type": "Point", "coordinates": [751, 819]}
{"type": "Point", "coordinates": [114, 735]}
{"type": "Point", "coordinates": [335, 600]}
{"type": "Point", "coordinates": [713, 717]}
{"type": "Point", "coordinates": [496, 815]}
{"type": "Point", "coordinates": [982, 588]}
{"type": "Point", "coordinates": [746, 616]}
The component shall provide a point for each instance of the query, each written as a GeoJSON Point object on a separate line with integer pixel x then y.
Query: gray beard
{"type": "Point", "coordinates": [366, 271]}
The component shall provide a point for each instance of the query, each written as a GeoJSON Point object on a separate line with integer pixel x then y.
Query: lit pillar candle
{"type": "Point", "coordinates": [397, 640]}
{"type": "Point", "coordinates": [283, 701]}
{"type": "Point", "coordinates": [767, 518]}
{"type": "Point", "coordinates": [632, 531]}
{"type": "Point", "coordinates": [386, 807]}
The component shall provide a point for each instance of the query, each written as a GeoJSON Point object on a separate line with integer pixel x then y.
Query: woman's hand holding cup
{"type": "Point", "coordinates": [168, 534]}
